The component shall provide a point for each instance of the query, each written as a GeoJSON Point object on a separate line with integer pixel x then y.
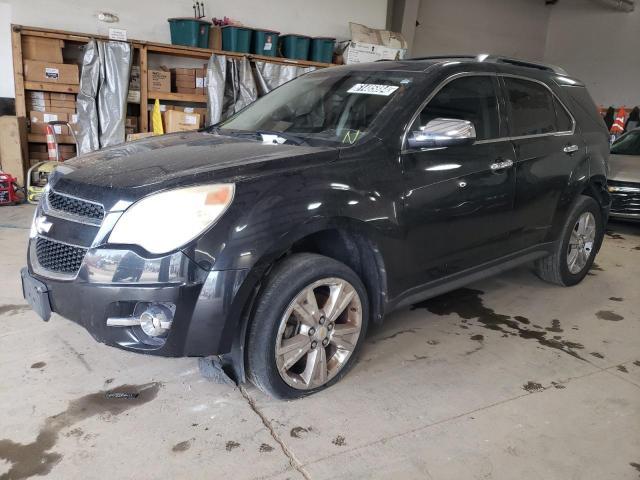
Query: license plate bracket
{"type": "Point", "coordinates": [36, 294]}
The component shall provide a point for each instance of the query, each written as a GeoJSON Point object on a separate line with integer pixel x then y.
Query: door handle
{"type": "Point", "coordinates": [501, 165]}
{"type": "Point", "coordinates": [570, 148]}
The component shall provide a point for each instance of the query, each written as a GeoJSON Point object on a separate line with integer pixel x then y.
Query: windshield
{"type": "Point", "coordinates": [628, 144]}
{"type": "Point", "coordinates": [332, 105]}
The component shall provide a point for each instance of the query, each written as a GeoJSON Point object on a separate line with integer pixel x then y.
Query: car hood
{"type": "Point", "coordinates": [624, 168]}
{"type": "Point", "coordinates": [137, 168]}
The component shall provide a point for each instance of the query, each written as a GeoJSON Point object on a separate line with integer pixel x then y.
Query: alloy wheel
{"type": "Point", "coordinates": [581, 242]}
{"type": "Point", "coordinates": [318, 333]}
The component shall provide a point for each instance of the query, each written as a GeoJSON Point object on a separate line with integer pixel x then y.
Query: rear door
{"type": "Point", "coordinates": [457, 207]}
{"type": "Point", "coordinates": [548, 148]}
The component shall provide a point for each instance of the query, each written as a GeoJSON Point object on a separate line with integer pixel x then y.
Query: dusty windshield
{"type": "Point", "coordinates": [333, 105]}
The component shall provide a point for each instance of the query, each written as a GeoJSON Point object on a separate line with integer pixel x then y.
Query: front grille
{"type": "Point", "coordinates": [75, 206]}
{"type": "Point", "coordinates": [625, 202]}
{"type": "Point", "coordinates": [59, 257]}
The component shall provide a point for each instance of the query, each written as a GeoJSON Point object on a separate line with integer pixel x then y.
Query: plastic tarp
{"type": "Point", "coordinates": [271, 75]}
{"type": "Point", "coordinates": [87, 124]}
{"type": "Point", "coordinates": [102, 97]}
{"type": "Point", "coordinates": [230, 87]}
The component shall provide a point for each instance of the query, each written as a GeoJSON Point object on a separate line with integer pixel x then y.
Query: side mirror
{"type": "Point", "coordinates": [443, 132]}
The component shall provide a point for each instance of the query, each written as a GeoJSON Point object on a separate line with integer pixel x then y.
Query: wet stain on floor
{"type": "Point", "coordinates": [394, 335]}
{"type": "Point", "coordinates": [597, 267]}
{"type": "Point", "coordinates": [637, 363]}
{"type": "Point", "coordinates": [622, 368]}
{"type": "Point", "coordinates": [477, 338]}
{"type": "Point", "coordinates": [597, 355]}
{"type": "Point", "coordinates": [231, 445]}
{"type": "Point", "coordinates": [182, 446]}
{"type": "Point", "coordinates": [266, 448]}
{"type": "Point", "coordinates": [298, 432]}
{"type": "Point", "coordinates": [522, 319]}
{"type": "Point", "coordinates": [555, 326]}
{"type": "Point", "coordinates": [615, 236]}
{"type": "Point", "coordinates": [38, 365]}
{"type": "Point", "coordinates": [13, 309]}
{"type": "Point", "coordinates": [558, 385]}
{"type": "Point", "coordinates": [637, 248]}
{"type": "Point", "coordinates": [467, 303]}
{"type": "Point", "coordinates": [339, 441]}
{"type": "Point", "coordinates": [36, 458]}
{"type": "Point", "coordinates": [609, 315]}
{"type": "Point", "coordinates": [533, 387]}
{"type": "Point", "coordinates": [635, 465]}
{"type": "Point", "coordinates": [616, 299]}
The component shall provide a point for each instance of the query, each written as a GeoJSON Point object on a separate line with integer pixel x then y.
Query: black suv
{"type": "Point", "coordinates": [276, 237]}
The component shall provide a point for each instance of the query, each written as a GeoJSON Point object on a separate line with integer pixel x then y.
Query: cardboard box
{"type": "Point", "coordinates": [131, 122]}
{"type": "Point", "coordinates": [200, 111]}
{"type": "Point", "coordinates": [13, 146]}
{"type": "Point", "coordinates": [42, 48]}
{"type": "Point", "coordinates": [133, 96]}
{"type": "Point", "coordinates": [68, 97]}
{"type": "Point", "coordinates": [159, 81]}
{"type": "Point", "coordinates": [185, 82]}
{"type": "Point", "coordinates": [134, 78]}
{"type": "Point", "coordinates": [176, 121]}
{"type": "Point", "coordinates": [190, 91]}
{"type": "Point", "coordinates": [355, 52]}
{"type": "Point", "coordinates": [35, 95]}
{"type": "Point", "coordinates": [187, 72]}
{"type": "Point", "coordinates": [138, 136]}
{"type": "Point", "coordinates": [51, 72]}
{"type": "Point", "coordinates": [372, 36]}
{"type": "Point", "coordinates": [215, 38]}
{"type": "Point", "coordinates": [39, 122]}
{"type": "Point", "coordinates": [63, 104]}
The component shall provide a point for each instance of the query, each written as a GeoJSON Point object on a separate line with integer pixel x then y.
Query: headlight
{"type": "Point", "coordinates": [169, 220]}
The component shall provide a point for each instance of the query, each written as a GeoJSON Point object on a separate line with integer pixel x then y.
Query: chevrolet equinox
{"type": "Point", "coordinates": [275, 238]}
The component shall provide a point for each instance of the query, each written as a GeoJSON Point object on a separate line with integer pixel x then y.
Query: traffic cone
{"type": "Point", "coordinates": [618, 124]}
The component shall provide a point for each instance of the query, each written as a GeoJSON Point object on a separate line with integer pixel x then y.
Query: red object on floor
{"type": "Point", "coordinates": [618, 123]}
{"type": "Point", "coordinates": [9, 189]}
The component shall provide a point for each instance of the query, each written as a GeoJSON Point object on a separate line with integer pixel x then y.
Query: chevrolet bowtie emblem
{"type": "Point", "coordinates": [42, 225]}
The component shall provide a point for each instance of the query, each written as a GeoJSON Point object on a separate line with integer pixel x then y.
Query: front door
{"type": "Point", "coordinates": [458, 204]}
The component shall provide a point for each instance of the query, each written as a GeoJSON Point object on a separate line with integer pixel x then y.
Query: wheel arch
{"type": "Point", "coordinates": [349, 241]}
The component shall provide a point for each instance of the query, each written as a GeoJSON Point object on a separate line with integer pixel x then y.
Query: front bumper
{"type": "Point", "coordinates": [625, 200]}
{"type": "Point", "coordinates": [107, 287]}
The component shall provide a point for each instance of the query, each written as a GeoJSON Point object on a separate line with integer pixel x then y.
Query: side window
{"type": "Point", "coordinates": [564, 121]}
{"type": "Point", "coordinates": [468, 98]}
{"type": "Point", "coordinates": [531, 105]}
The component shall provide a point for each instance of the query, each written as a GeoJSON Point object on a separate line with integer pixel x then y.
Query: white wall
{"type": "Point", "coordinates": [600, 46]}
{"type": "Point", "coordinates": [147, 19]}
{"type": "Point", "coordinates": [515, 28]}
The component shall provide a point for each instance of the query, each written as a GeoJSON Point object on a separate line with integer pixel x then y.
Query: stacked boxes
{"type": "Point", "coordinates": [181, 119]}
{"type": "Point", "coordinates": [159, 80]}
{"type": "Point", "coordinates": [131, 125]}
{"type": "Point", "coordinates": [48, 107]}
{"type": "Point", "coordinates": [189, 80]}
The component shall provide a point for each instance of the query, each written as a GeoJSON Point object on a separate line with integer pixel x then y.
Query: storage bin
{"type": "Point", "coordinates": [322, 49]}
{"type": "Point", "coordinates": [191, 32]}
{"type": "Point", "coordinates": [265, 42]}
{"type": "Point", "coordinates": [295, 46]}
{"type": "Point", "coordinates": [236, 39]}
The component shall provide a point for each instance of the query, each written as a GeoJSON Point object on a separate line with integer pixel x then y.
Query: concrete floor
{"type": "Point", "coordinates": [457, 388]}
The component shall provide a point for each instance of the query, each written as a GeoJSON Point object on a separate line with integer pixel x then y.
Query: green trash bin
{"type": "Point", "coordinates": [322, 49]}
{"type": "Point", "coordinates": [192, 32]}
{"type": "Point", "coordinates": [295, 46]}
{"type": "Point", "coordinates": [236, 39]}
{"type": "Point", "coordinates": [265, 42]}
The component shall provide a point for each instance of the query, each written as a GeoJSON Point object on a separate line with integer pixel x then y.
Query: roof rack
{"type": "Point", "coordinates": [485, 57]}
{"type": "Point", "coordinates": [520, 63]}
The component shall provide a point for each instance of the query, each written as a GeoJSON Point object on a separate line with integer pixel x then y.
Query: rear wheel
{"type": "Point", "coordinates": [307, 327]}
{"type": "Point", "coordinates": [581, 239]}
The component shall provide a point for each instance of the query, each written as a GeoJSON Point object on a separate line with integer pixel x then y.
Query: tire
{"type": "Point", "coordinates": [286, 293]}
{"type": "Point", "coordinates": [556, 267]}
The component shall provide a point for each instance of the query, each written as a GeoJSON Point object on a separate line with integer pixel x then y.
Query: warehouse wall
{"type": "Point", "coordinates": [515, 28]}
{"type": "Point", "coordinates": [598, 45]}
{"type": "Point", "coordinates": [147, 19]}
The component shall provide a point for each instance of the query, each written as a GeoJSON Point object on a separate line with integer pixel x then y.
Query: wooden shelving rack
{"type": "Point", "coordinates": [143, 49]}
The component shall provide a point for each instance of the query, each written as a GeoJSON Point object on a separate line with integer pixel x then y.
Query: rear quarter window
{"type": "Point", "coordinates": [531, 107]}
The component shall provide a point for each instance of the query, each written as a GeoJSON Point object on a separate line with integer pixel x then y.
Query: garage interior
{"type": "Point", "coordinates": [508, 377]}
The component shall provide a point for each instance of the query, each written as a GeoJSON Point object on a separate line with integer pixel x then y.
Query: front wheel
{"type": "Point", "coordinates": [580, 241]}
{"type": "Point", "coordinates": [307, 327]}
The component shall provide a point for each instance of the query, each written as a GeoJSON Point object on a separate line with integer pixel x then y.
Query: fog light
{"type": "Point", "coordinates": [156, 320]}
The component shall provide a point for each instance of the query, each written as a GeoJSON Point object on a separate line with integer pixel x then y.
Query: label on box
{"type": "Point", "coordinates": [74, 118]}
{"type": "Point", "coordinates": [267, 46]}
{"type": "Point", "coordinates": [373, 89]}
{"type": "Point", "coordinates": [117, 34]}
{"type": "Point", "coordinates": [188, 109]}
{"type": "Point", "coordinates": [50, 117]}
{"type": "Point", "coordinates": [50, 72]}
{"type": "Point", "coordinates": [199, 82]}
{"type": "Point", "coordinates": [57, 129]}
{"type": "Point", "coordinates": [190, 120]}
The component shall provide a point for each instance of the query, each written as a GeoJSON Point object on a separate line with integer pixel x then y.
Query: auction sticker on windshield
{"type": "Point", "coordinates": [373, 89]}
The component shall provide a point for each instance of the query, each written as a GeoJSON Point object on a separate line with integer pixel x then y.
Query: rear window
{"type": "Point", "coordinates": [531, 106]}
